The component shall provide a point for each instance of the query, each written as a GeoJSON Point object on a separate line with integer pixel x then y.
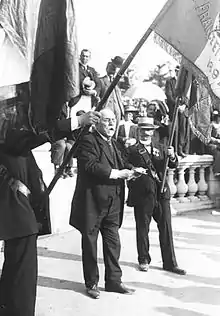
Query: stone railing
{"type": "Point", "coordinates": [193, 185]}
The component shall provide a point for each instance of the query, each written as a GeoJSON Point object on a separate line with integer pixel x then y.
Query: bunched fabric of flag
{"type": "Point", "coordinates": [191, 29]}
{"type": "Point", "coordinates": [38, 67]}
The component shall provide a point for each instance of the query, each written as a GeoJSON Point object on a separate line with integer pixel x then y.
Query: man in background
{"type": "Point", "coordinates": [114, 101]}
{"type": "Point", "coordinates": [182, 127]}
{"type": "Point", "coordinates": [127, 131]}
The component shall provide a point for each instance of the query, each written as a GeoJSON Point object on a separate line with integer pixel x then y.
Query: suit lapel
{"type": "Point", "coordinates": [105, 148]}
{"type": "Point", "coordinates": [107, 152]}
{"type": "Point", "coordinates": [118, 154]}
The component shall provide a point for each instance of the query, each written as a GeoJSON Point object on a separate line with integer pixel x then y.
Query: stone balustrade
{"type": "Point", "coordinates": [193, 185]}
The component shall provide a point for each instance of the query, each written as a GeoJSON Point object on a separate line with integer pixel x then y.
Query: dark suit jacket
{"type": "Point", "coordinates": [20, 215]}
{"type": "Point", "coordinates": [114, 101]}
{"type": "Point", "coordinates": [132, 131]}
{"type": "Point", "coordinates": [138, 156]}
{"type": "Point", "coordinates": [93, 186]}
{"type": "Point", "coordinates": [170, 94]}
{"type": "Point", "coordinates": [92, 74]}
{"type": "Point", "coordinates": [121, 135]}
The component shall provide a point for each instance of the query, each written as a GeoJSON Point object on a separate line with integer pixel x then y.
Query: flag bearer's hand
{"type": "Point", "coordinates": [89, 118]}
{"type": "Point", "coordinates": [170, 152]}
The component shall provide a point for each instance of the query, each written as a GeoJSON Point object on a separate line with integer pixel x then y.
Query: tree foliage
{"type": "Point", "coordinates": [158, 76]}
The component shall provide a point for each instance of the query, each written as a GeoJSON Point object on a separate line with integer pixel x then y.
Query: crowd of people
{"type": "Point", "coordinates": [127, 110]}
{"type": "Point", "coordinates": [126, 143]}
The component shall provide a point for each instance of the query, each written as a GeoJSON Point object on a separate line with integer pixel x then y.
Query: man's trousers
{"type": "Point", "coordinates": [108, 225]}
{"type": "Point", "coordinates": [18, 280]}
{"type": "Point", "coordinates": [162, 216]}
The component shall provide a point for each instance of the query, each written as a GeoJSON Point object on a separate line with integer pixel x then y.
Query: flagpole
{"type": "Point", "coordinates": [98, 108]}
{"type": "Point", "coordinates": [113, 84]}
{"type": "Point", "coordinates": [179, 89]}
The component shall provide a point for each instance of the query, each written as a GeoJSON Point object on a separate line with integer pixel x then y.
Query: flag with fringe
{"type": "Point", "coordinates": [192, 29]}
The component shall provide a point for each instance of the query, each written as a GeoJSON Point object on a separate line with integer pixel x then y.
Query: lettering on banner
{"type": "Point", "coordinates": [214, 72]}
{"type": "Point", "coordinates": [204, 16]}
{"type": "Point", "coordinates": [211, 53]}
{"type": "Point", "coordinates": [213, 64]}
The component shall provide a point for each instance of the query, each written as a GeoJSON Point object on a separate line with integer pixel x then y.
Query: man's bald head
{"type": "Point", "coordinates": [107, 123]}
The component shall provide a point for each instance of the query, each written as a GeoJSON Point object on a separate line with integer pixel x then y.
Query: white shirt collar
{"type": "Point", "coordinates": [84, 66]}
{"type": "Point", "coordinates": [103, 137]}
{"type": "Point", "coordinates": [146, 145]}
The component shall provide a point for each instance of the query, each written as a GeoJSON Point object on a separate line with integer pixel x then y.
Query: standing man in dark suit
{"type": "Point", "coordinates": [98, 203]}
{"type": "Point", "coordinates": [181, 135]}
{"type": "Point", "coordinates": [144, 195]}
{"type": "Point", "coordinates": [89, 84]}
{"type": "Point", "coordinates": [21, 220]}
{"type": "Point", "coordinates": [170, 91]}
{"type": "Point", "coordinates": [114, 101]}
{"type": "Point", "coordinates": [86, 71]}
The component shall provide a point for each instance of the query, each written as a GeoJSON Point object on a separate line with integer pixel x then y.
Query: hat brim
{"type": "Point", "coordinates": [143, 126]}
{"type": "Point", "coordinates": [132, 110]}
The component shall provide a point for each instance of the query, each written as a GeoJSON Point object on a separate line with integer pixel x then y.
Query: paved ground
{"type": "Point", "coordinates": [61, 290]}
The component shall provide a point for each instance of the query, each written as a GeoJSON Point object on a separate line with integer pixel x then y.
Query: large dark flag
{"type": "Point", "coordinates": [38, 66]}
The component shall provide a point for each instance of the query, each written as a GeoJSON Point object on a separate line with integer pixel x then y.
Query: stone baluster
{"type": "Point", "coordinates": [192, 185]}
{"type": "Point", "coordinates": [170, 181]}
{"type": "Point", "coordinates": [214, 187]}
{"type": "Point", "coordinates": [202, 184]}
{"type": "Point", "coordinates": [182, 187]}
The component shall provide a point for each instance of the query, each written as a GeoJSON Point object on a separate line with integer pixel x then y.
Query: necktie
{"type": "Point", "coordinates": [112, 150]}
{"type": "Point", "coordinates": [111, 146]}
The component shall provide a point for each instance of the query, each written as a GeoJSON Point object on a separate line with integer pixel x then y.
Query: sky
{"type": "Point", "coordinates": [110, 28]}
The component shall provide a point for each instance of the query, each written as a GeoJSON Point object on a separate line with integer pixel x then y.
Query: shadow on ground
{"type": "Point", "coordinates": [61, 284]}
{"type": "Point", "coordinates": [174, 311]}
{"type": "Point", "coordinates": [186, 294]}
{"type": "Point", "coordinates": [47, 253]}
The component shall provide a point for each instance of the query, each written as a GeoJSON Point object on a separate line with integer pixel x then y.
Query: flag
{"type": "Point", "coordinates": [38, 64]}
{"type": "Point", "coordinates": [54, 77]}
{"type": "Point", "coordinates": [199, 111]}
{"type": "Point", "coordinates": [192, 29]}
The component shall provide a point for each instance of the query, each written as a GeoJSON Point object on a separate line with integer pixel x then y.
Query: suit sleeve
{"type": "Point", "coordinates": [95, 77]}
{"type": "Point", "coordinates": [102, 88]}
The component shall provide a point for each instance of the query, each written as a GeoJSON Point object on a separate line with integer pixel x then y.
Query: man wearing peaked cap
{"type": "Point", "coordinates": [145, 196]}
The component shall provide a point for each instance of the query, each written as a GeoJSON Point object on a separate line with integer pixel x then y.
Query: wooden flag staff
{"type": "Point", "coordinates": [107, 94]}
{"type": "Point", "coordinates": [180, 88]}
